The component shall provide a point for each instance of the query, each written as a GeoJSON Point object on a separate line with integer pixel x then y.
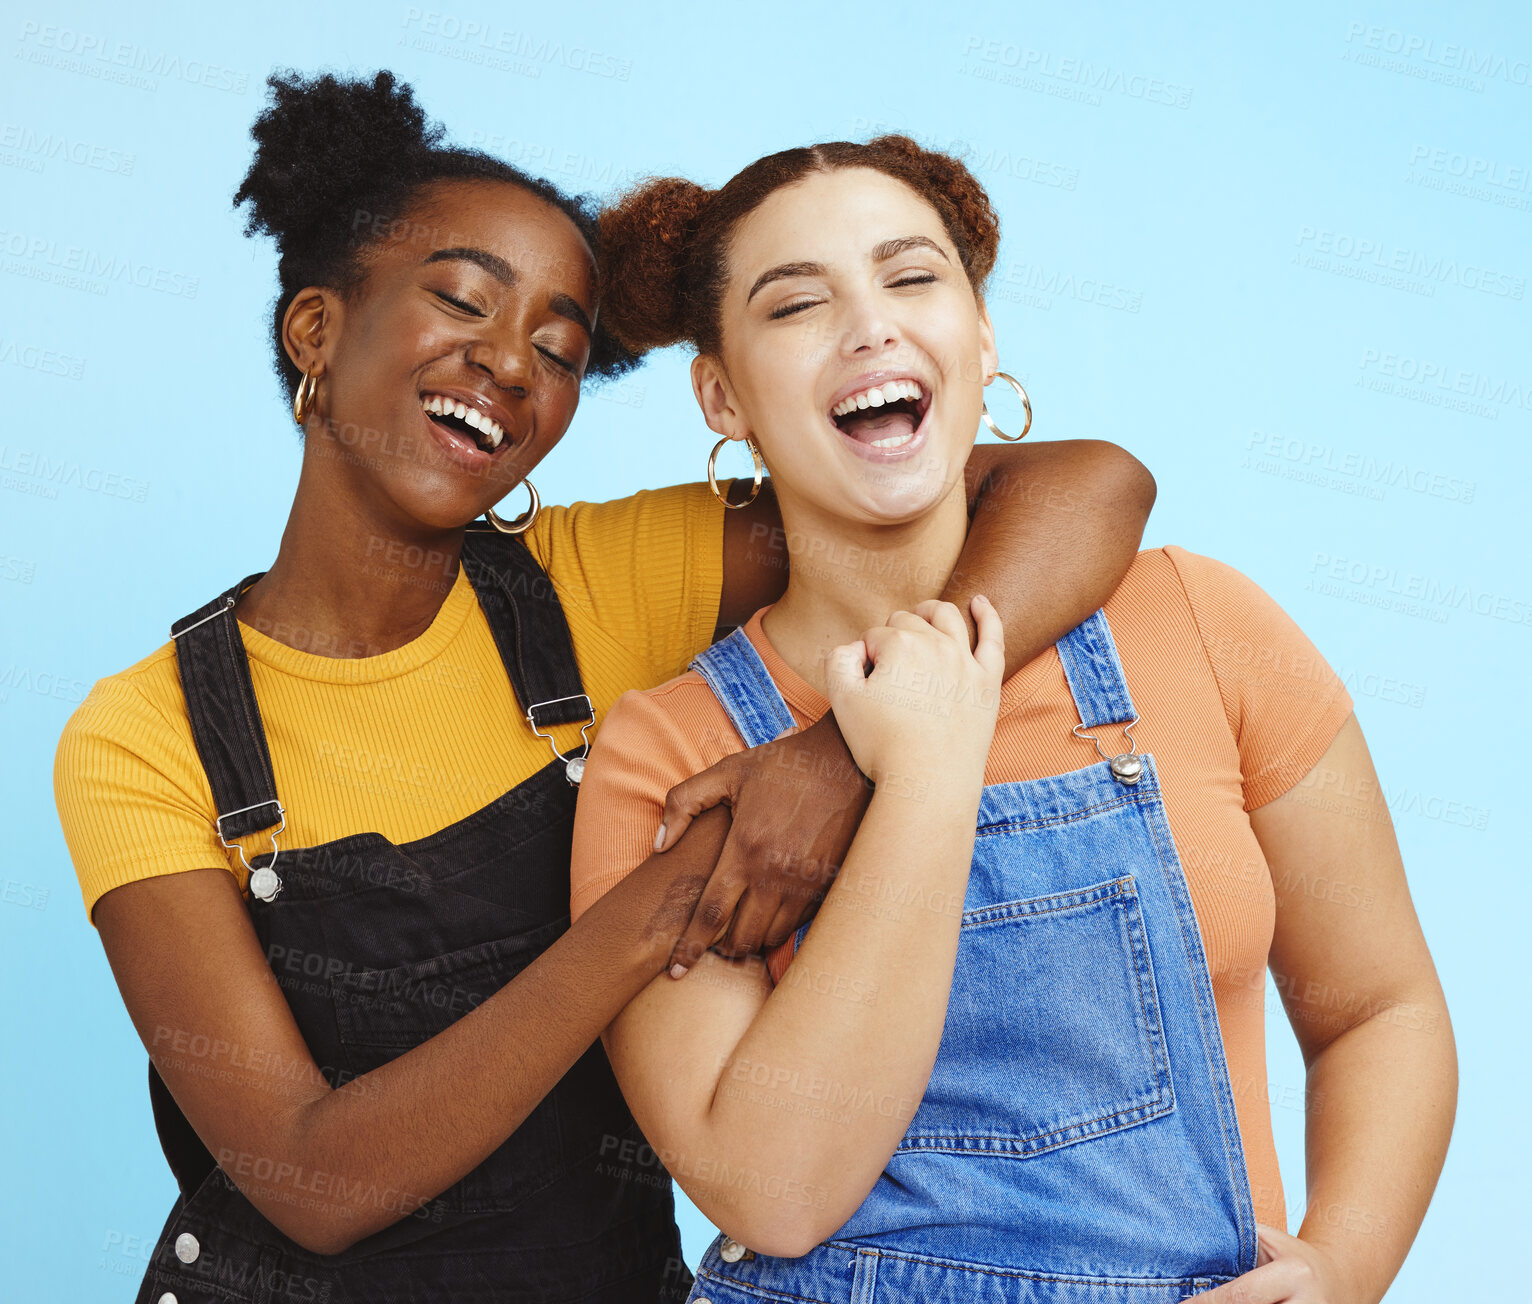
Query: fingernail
{"type": "Point", "coordinates": [678, 970]}
{"type": "Point", "coordinates": [659, 838]}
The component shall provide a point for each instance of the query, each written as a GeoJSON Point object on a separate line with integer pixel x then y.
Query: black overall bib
{"type": "Point", "coordinates": [378, 947]}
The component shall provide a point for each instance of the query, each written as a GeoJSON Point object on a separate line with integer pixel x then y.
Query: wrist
{"type": "Point", "coordinates": [946, 774]}
{"type": "Point", "coordinates": [640, 919]}
{"type": "Point", "coordinates": [952, 794]}
{"type": "Point", "coordinates": [833, 759]}
{"type": "Point", "coordinates": [1346, 1279]}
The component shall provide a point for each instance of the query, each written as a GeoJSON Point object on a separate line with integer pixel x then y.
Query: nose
{"type": "Point", "coordinates": [504, 354]}
{"type": "Point", "coordinates": [865, 325]}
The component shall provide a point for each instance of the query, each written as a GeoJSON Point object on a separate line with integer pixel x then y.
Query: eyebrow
{"type": "Point", "coordinates": [568, 308]}
{"type": "Point", "coordinates": [502, 271]}
{"type": "Point", "coordinates": [880, 253]}
{"type": "Point", "coordinates": [495, 265]}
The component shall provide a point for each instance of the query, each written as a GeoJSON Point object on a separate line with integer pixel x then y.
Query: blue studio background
{"type": "Point", "coordinates": [1281, 255]}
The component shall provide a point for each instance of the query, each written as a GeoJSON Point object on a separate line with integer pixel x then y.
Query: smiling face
{"type": "Point", "coordinates": [455, 365]}
{"type": "Point", "coordinates": [854, 350]}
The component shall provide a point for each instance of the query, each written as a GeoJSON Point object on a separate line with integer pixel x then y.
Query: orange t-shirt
{"type": "Point", "coordinates": [1234, 703]}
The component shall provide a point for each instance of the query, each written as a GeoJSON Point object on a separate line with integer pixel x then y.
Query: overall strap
{"type": "Point", "coordinates": [739, 679]}
{"type": "Point", "coordinates": [527, 620]}
{"type": "Point", "coordinates": [225, 722]}
{"type": "Point", "coordinates": [1094, 672]}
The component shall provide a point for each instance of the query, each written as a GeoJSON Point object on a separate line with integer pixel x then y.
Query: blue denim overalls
{"type": "Point", "coordinates": [1077, 1140]}
{"type": "Point", "coordinates": [378, 947]}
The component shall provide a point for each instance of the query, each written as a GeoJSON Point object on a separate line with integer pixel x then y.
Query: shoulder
{"type": "Point", "coordinates": [650, 741]}
{"type": "Point", "coordinates": [671, 731]}
{"type": "Point", "coordinates": [618, 523]}
{"type": "Point", "coordinates": [139, 706]}
{"type": "Point", "coordinates": [1164, 580]}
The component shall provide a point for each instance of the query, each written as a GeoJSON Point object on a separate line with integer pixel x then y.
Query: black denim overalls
{"type": "Point", "coordinates": [377, 947]}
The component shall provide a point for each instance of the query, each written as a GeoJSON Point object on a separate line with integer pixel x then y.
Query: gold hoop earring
{"type": "Point", "coordinates": [988, 420]}
{"type": "Point", "coordinates": [304, 396]}
{"type": "Point", "coordinates": [521, 522]}
{"type": "Point", "coordinates": [712, 478]}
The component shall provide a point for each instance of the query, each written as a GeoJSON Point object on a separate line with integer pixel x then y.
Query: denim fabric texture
{"type": "Point", "coordinates": [1077, 1140]}
{"type": "Point", "coordinates": [378, 947]}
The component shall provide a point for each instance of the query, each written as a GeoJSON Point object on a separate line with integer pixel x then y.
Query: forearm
{"type": "Point", "coordinates": [1381, 1102]}
{"type": "Point", "coordinates": [829, 1073]}
{"type": "Point", "coordinates": [422, 1121]}
{"type": "Point", "coordinates": [1055, 527]}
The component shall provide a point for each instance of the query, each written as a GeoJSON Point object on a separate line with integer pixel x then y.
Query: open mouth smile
{"type": "Point", "coordinates": [883, 418]}
{"type": "Point", "coordinates": [462, 426]}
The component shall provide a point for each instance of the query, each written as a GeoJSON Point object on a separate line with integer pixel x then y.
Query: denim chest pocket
{"type": "Point", "coordinates": [1053, 1032]}
{"type": "Point", "coordinates": [382, 1013]}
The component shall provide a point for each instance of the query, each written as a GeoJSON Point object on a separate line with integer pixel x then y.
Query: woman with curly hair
{"type": "Point", "coordinates": [1018, 1055]}
{"type": "Point", "coordinates": [324, 831]}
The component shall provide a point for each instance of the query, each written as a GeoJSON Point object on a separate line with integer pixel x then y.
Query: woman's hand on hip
{"type": "Point", "coordinates": [1287, 1271]}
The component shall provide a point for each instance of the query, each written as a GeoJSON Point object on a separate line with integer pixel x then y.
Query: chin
{"type": "Point", "coordinates": [902, 492]}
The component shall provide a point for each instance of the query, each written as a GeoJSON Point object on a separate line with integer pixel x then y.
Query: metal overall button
{"type": "Point", "coordinates": [1126, 767]}
{"type": "Point", "coordinates": [731, 1251]}
{"type": "Point", "coordinates": [187, 1247]}
{"type": "Point", "coordinates": [574, 766]}
{"type": "Point", "coordinates": [264, 882]}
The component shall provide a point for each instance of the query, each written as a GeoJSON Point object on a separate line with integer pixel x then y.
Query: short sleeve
{"type": "Point", "coordinates": [645, 748]}
{"type": "Point", "coordinates": [132, 798]}
{"type": "Point", "coordinates": [1283, 702]}
{"type": "Point", "coordinates": [637, 758]}
{"type": "Point", "coordinates": [648, 568]}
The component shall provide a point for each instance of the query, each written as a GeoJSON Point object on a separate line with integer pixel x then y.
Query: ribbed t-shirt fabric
{"type": "Point", "coordinates": [406, 742]}
{"type": "Point", "coordinates": [1235, 704]}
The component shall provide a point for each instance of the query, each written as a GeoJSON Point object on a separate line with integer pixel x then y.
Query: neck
{"type": "Point", "coordinates": [351, 578]}
{"type": "Point", "coordinates": [845, 576]}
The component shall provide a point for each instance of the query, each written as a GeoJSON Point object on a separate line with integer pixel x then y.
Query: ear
{"type": "Point", "coordinates": [310, 327]}
{"type": "Point", "coordinates": [989, 353]}
{"type": "Point", "coordinates": [715, 396]}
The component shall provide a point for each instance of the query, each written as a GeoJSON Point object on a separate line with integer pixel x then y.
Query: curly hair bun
{"type": "Point", "coordinates": [646, 239]}
{"type": "Point", "coordinates": [323, 146]}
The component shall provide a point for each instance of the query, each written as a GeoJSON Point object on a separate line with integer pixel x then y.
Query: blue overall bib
{"type": "Point", "coordinates": [1077, 1140]}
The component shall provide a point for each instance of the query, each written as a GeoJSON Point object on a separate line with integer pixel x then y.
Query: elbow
{"type": "Point", "coordinates": [321, 1235]}
{"type": "Point", "coordinates": [777, 1237]}
{"type": "Point", "coordinates": [325, 1231]}
{"type": "Point", "coordinates": [325, 1245]}
{"type": "Point", "coordinates": [794, 1242]}
{"type": "Point", "coordinates": [1127, 480]}
{"type": "Point", "coordinates": [783, 1227]}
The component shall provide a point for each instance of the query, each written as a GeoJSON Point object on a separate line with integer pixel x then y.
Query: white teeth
{"type": "Point", "coordinates": [892, 392]}
{"type": "Point", "coordinates": [486, 425]}
{"type": "Point", "coordinates": [893, 441]}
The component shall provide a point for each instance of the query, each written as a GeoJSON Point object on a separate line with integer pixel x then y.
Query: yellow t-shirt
{"type": "Point", "coordinates": [406, 742]}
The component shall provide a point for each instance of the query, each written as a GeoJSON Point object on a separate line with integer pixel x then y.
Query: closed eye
{"type": "Point", "coordinates": [458, 304]}
{"type": "Point", "coordinates": [564, 364]}
{"type": "Point", "coordinates": [789, 309]}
